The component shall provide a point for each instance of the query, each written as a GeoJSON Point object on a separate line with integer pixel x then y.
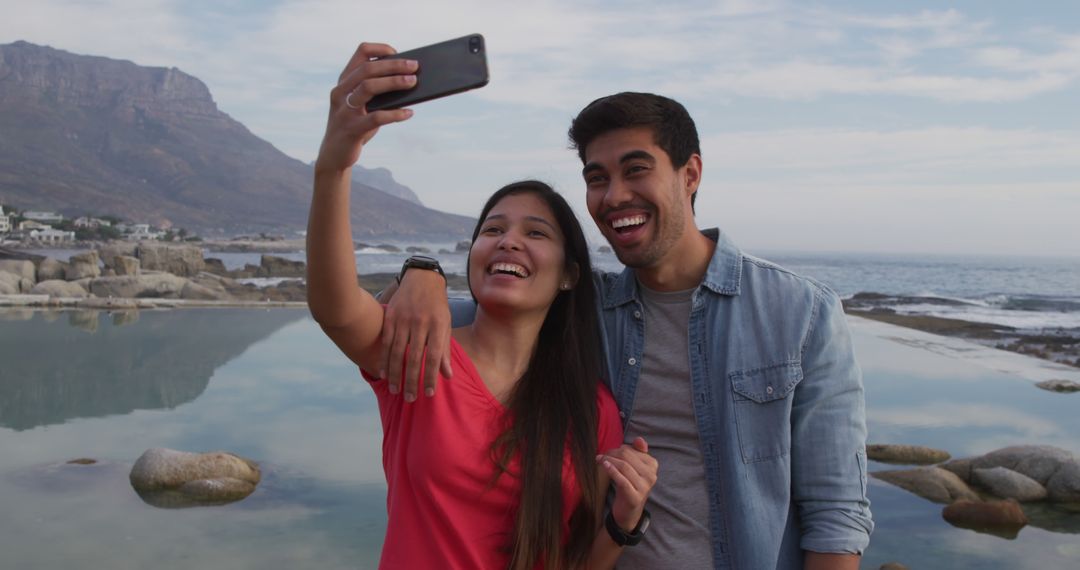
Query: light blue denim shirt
{"type": "Point", "coordinates": [778, 399]}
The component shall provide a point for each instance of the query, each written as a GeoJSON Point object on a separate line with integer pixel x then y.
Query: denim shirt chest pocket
{"type": "Point", "coordinates": [762, 401]}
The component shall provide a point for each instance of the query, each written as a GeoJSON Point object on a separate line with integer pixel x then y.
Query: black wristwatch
{"type": "Point", "coordinates": [623, 538]}
{"type": "Point", "coordinates": [420, 262]}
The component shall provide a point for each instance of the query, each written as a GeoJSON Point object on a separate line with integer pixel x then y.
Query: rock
{"type": "Point", "coordinates": [126, 265]}
{"type": "Point", "coordinates": [444, 251]}
{"type": "Point", "coordinates": [603, 249]}
{"type": "Point", "coordinates": [1062, 386]}
{"type": "Point", "coordinates": [170, 478]}
{"type": "Point", "coordinates": [462, 246]}
{"type": "Point", "coordinates": [417, 249]}
{"type": "Point", "coordinates": [82, 265]}
{"type": "Point", "coordinates": [1003, 518]}
{"type": "Point", "coordinates": [12, 284]}
{"type": "Point", "coordinates": [197, 291]}
{"type": "Point", "coordinates": [906, 454]}
{"type": "Point", "coordinates": [215, 266]}
{"type": "Point", "coordinates": [9, 283]}
{"type": "Point", "coordinates": [389, 248]}
{"type": "Point", "coordinates": [1009, 484]}
{"type": "Point", "coordinates": [59, 288]}
{"type": "Point", "coordinates": [180, 260]}
{"type": "Point", "coordinates": [24, 268]}
{"type": "Point", "coordinates": [108, 304]}
{"type": "Point", "coordinates": [1054, 468]}
{"type": "Point", "coordinates": [82, 461]}
{"type": "Point", "coordinates": [892, 566]}
{"type": "Point", "coordinates": [932, 483]}
{"type": "Point", "coordinates": [274, 266]}
{"type": "Point", "coordinates": [110, 252]}
{"type": "Point", "coordinates": [160, 285]}
{"type": "Point", "coordinates": [50, 269]}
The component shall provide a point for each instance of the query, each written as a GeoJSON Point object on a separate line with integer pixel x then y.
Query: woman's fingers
{"type": "Point", "coordinates": [364, 52]}
{"type": "Point", "coordinates": [625, 476]}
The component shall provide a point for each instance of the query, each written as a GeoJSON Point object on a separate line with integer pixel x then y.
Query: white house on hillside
{"type": "Point", "coordinates": [32, 225]}
{"type": "Point", "coordinates": [87, 222]}
{"type": "Point", "coordinates": [44, 217]}
{"type": "Point", "coordinates": [5, 222]}
{"type": "Point", "coordinates": [51, 236]}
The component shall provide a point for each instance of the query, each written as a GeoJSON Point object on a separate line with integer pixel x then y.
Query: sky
{"type": "Point", "coordinates": [914, 127]}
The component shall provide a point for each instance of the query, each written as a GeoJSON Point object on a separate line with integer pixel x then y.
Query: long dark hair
{"type": "Point", "coordinates": [553, 408]}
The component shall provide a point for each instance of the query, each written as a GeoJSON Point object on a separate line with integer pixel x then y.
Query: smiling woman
{"type": "Point", "coordinates": [508, 466]}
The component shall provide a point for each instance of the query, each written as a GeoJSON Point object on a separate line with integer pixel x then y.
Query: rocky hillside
{"type": "Point", "coordinates": [84, 134]}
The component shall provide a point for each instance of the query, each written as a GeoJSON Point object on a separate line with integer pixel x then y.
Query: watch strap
{"type": "Point", "coordinates": [420, 262]}
{"type": "Point", "coordinates": [623, 538]}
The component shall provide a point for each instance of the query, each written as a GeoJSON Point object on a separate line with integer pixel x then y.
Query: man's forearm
{"type": "Point", "coordinates": [830, 561]}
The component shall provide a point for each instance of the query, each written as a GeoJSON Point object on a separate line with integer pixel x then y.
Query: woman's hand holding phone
{"type": "Point", "coordinates": [350, 125]}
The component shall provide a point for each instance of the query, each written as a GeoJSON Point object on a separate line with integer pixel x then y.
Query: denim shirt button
{"type": "Point", "coordinates": [633, 361]}
{"type": "Point", "coordinates": [637, 314]}
{"type": "Point", "coordinates": [768, 389]}
{"type": "Point", "coordinates": [622, 415]}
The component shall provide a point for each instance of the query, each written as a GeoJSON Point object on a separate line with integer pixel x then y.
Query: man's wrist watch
{"type": "Point", "coordinates": [420, 262]}
{"type": "Point", "coordinates": [623, 538]}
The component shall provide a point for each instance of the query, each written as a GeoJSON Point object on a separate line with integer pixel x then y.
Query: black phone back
{"type": "Point", "coordinates": [445, 68]}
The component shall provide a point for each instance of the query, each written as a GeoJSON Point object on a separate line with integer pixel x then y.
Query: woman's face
{"type": "Point", "coordinates": [517, 261]}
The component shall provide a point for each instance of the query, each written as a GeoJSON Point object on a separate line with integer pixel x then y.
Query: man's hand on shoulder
{"type": "Point", "coordinates": [416, 333]}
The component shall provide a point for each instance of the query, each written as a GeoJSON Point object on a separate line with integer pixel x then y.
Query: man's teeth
{"type": "Point", "coordinates": [512, 268]}
{"type": "Point", "coordinates": [628, 221]}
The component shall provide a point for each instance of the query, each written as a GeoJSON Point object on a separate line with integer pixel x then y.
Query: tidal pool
{"type": "Point", "coordinates": [269, 386]}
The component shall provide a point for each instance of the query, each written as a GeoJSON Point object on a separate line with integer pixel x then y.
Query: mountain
{"type": "Point", "coordinates": [383, 180]}
{"type": "Point", "coordinates": [84, 134]}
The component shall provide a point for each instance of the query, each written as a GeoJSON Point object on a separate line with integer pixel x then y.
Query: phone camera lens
{"type": "Point", "coordinates": [474, 45]}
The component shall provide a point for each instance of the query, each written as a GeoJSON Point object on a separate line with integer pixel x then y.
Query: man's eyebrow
{"type": "Point", "coordinates": [635, 154]}
{"type": "Point", "coordinates": [632, 155]}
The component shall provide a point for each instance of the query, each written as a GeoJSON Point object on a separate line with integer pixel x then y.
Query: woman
{"type": "Point", "coordinates": [501, 468]}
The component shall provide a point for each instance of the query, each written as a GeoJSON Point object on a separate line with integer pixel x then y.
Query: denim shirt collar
{"type": "Point", "coordinates": [723, 276]}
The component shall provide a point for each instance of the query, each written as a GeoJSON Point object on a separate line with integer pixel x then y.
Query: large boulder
{"type": "Point", "coordinates": [906, 454]}
{"type": "Point", "coordinates": [202, 292]}
{"type": "Point", "coordinates": [50, 269]}
{"type": "Point", "coordinates": [9, 283]}
{"type": "Point", "coordinates": [12, 284]}
{"type": "Point", "coordinates": [24, 268]}
{"type": "Point", "coordinates": [1009, 484]}
{"type": "Point", "coordinates": [126, 265]}
{"type": "Point", "coordinates": [1062, 386]}
{"type": "Point", "coordinates": [82, 265]}
{"type": "Point", "coordinates": [158, 285]}
{"type": "Point", "coordinates": [1052, 467]}
{"type": "Point", "coordinates": [110, 252]}
{"type": "Point", "coordinates": [182, 260]}
{"type": "Point", "coordinates": [932, 483]}
{"type": "Point", "coordinates": [170, 478]}
{"type": "Point", "coordinates": [1003, 518]}
{"type": "Point", "coordinates": [61, 289]}
{"type": "Point", "coordinates": [215, 266]}
{"type": "Point", "coordinates": [274, 266]}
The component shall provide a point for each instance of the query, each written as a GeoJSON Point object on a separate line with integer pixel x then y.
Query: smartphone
{"type": "Point", "coordinates": [445, 68]}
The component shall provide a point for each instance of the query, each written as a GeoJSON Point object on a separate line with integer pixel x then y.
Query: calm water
{"type": "Point", "coordinates": [267, 385]}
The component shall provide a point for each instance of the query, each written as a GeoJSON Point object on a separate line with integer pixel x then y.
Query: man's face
{"type": "Point", "coordinates": [635, 196]}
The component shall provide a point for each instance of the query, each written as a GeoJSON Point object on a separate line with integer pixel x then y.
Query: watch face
{"type": "Point", "coordinates": [422, 262]}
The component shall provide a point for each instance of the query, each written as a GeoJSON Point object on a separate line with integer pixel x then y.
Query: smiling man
{"type": "Point", "coordinates": [739, 373]}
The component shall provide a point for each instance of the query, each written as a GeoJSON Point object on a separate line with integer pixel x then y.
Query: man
{"type": "Point", "coordinates": [739, 373]}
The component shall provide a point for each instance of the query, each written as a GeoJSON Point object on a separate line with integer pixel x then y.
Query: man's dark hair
{"type": "Point", "coordinates": [673, 129]}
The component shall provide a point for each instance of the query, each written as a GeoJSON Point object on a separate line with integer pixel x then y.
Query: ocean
{"type": "Point", "coordinates": [1024, 292]}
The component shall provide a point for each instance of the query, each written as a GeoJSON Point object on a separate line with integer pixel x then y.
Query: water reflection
{"type": "Point", "coordinates": [113, 364]}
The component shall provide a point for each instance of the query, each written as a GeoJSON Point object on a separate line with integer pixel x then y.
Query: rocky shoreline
{"type": "Point", "coordinates": [125, 275]}
{"type": "Point", "coordinates": [1057, 345]}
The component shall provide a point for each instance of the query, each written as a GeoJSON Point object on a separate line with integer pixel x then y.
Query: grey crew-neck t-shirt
{"type": "Point", "coordinates": [663, 413]}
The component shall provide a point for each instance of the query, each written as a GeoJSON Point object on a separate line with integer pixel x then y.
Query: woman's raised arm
{"type": "Point", "coordinates": [350, 316]}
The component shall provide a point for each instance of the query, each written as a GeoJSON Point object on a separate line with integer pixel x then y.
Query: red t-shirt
{"type": "Point", "coordinates": [443, 511]}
